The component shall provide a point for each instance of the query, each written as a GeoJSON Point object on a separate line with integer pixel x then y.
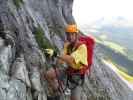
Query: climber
{"type": "Point", "coordinates": [77, 55]}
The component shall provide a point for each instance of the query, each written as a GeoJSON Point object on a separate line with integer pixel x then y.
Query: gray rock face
{"type": "Point", "coordinates": [19, 71]}
{"type": "Point", "coordinates": [21, 60]}
{"type": "Point", "coordinates": [27, 26]}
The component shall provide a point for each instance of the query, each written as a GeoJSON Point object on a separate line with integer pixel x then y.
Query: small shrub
{"type": "Point", "coordinates": [17, 3]}
{"type": "Point", "coordinates": [42, 41]}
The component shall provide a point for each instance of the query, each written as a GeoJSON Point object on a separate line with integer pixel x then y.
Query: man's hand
{"type": "Point", "coordinates": [50, 52]}
{"type": "Point", "coordinates": [60, 61]}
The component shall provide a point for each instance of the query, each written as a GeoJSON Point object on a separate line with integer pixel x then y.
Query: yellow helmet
{"type": "Point", "coordinates": [72, 28]}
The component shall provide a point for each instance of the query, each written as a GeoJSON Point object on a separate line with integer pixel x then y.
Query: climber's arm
{"type": "Point", "coordinates": [68, 60]}
{"type": "Point", "coordinates": [77, 58]}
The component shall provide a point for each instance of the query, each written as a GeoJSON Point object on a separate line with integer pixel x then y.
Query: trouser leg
{"type": "Point", "coordinates": [76, 93]}
{"type": "Point", "coordinates": [53, 98]}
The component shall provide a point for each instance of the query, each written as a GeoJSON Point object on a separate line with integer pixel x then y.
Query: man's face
{"type": "Point", "coordinates": [72, 37]}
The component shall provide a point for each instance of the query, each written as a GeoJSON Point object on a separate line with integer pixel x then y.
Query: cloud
{"type": "Point", "coordinates": [117, 22]}
{"type": "Point", "coordinates": [88, 11]}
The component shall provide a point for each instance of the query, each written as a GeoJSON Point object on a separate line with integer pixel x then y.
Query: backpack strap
{"type": "Point", "coordinates": [71, 49]}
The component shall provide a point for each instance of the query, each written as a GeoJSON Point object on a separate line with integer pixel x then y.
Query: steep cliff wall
{"type": "Point", "coordinates": [30, 26]}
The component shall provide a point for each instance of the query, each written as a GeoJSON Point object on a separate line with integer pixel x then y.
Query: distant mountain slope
{"type": "Point", "coordinates": [122, 61]}
{"type": "Point", "coordinates": [119, 30]}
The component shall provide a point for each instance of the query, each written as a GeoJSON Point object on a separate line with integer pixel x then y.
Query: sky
{"type": "Point", "coordinates": [89, 11]}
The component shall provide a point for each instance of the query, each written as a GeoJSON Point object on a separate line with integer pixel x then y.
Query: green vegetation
{"type": "Point", "coordinates": [124, 71]}
{"type": "Point", "coordinates": [103, 37]}
{"type": "Point", "coordinates": [115, 47]}
{"type": "Point", "coordinates": [120, 70]}
{"type": "Point", "coordinates": [118, 66]}
{"type": "Point", "coordinates": [17, 3]}
{"type": "Point", "coordinates": [118, 60]}
{"type": "Point", "coordinates": [42, 41]}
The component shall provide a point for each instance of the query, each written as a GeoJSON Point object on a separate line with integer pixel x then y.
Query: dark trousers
{"type": "Point", "coordinates": [53, 98]}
